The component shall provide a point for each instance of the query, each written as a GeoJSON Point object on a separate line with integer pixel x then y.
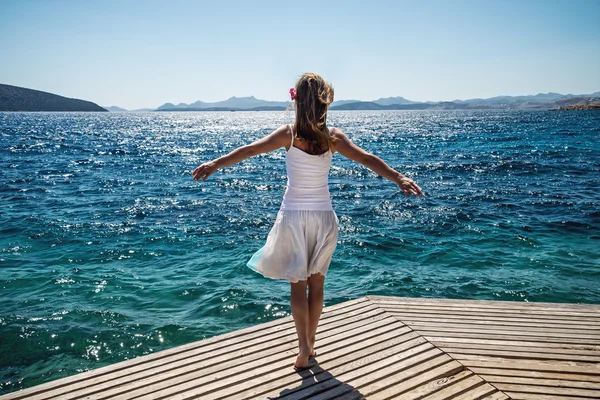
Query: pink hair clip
{"type": "Point", "coordinates": [293, 93]}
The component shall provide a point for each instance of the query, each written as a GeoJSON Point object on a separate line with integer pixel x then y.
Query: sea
{"type": "Point", "coordinates": [109, 249]}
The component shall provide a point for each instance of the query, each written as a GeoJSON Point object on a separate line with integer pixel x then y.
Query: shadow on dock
{"type": "Point", "coordinates": [315, 381]}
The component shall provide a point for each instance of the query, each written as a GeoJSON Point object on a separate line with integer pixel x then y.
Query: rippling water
{"type": "Point", "coordinates": [109, 250]}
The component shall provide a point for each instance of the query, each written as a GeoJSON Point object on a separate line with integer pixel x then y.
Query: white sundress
{"type": "Point", "coordinates": [305, 233]}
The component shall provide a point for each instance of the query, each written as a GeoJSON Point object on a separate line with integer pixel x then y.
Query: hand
{"type": "Point", "coordinates": [408, 186]}
{"type": "Point", "coordinates": [204, 171]}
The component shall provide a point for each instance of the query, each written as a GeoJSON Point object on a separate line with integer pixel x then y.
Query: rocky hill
{"type": "Point", "coordinates": [14, 98]}
{"type": "Point", "coordinates": [114, 109]}
{"type": "Point", "coordinates": [588, 105]}
{"type": "Point", "coordinates": [542, 101]}
{"type": "Point", "coordinates": [233, 103]}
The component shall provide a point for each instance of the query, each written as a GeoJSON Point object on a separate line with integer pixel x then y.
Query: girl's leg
{"type": "Point", "coordinates": [299, 303]}
{"type": "Point", "coordinates": [315, 306]}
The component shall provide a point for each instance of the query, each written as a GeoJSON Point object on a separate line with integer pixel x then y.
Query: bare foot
{"type": "Point", "coordinates": [313, 353]}
{"type": "Point", "coordinates": [302, 360]}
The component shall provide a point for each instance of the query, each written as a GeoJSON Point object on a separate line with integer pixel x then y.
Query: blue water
{"type": "Point", "coordinates": [109, 250]}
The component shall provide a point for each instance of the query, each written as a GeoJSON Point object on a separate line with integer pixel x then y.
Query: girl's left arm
{"type": "Point", "coordinates": [276, 140]}
{"type": "Point", "coordinates": [345, 147]}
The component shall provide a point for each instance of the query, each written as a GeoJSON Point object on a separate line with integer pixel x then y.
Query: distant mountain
{"type": "Point", "coordinates": [167, 106]}
{"type": "Point", "coordinates": [585, 106]}
{"type": "Point", "coordinates": [14, 98]}
{"type": "Point", "coordinates": [115, 109]}
{"type": "Point", "coordinates": [393, 100]}
{"type": "Point", "coordinates": [538, 101]}
{"type": "Point", "coordinates": [371, 105]}
{"type": "Point", "coordinates": [263, 108]}
{"type": "Point", "coordinates": [119, 109]}
{"type": "Point", "coordinates": [343, 102]}
{"type": "Point", "coordinates": [252, 103]}
{"type": "Point", "coordinates": [236, 103]}
{"type": "Point", "coordinates": [580, 102]}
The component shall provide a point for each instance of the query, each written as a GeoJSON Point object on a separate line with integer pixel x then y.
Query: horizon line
{"type": "Point", "coordinates": [366, 101]}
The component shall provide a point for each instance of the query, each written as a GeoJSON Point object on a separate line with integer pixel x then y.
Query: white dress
{"type": "Point", "coordinates": [305, 233]}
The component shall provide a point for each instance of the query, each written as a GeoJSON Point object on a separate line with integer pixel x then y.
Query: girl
{"type": "Point", "coordinates": [300, 244]}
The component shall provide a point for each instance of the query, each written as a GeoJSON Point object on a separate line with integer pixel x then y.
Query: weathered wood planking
{"type": "Point", "coordinates": [525, 350]}
{"type": "Point", "coordinates": [375, 348]}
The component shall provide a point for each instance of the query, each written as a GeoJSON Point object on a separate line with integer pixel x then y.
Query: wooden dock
{"type": "Point", "coordinates": [375, 348]}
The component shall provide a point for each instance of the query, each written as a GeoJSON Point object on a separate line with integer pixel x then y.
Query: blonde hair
{"type": "Point", "coordinates": [313, 97]}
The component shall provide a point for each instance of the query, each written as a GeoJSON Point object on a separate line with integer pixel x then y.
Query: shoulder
{"type": "Point", "coordinates": [283, 132]}
{"type": "Point", "coordinates": [284, 129]}
{"type": "Point", "coordinates": [337, 133]}
{"type": "Point", "coordinates": [339, 139]}
{"type": "Point", "coordinates": [283, 136]}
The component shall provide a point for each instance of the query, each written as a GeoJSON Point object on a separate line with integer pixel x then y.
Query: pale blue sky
{"type": "Point", "coordinates": [144, 53]}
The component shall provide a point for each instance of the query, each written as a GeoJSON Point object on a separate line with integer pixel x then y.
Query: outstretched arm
{"type": "Point", "coordinates": [278, 139]}
{"type": "Point", "coordinates": [345, 147]}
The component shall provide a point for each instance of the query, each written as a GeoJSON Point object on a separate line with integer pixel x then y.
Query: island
{"type": "Point", "coordinates": [585, 106]}
{"type": "Point", "coordinates": [14, 98]}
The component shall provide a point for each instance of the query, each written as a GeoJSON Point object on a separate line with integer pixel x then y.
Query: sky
{"type": "Point", "coordinates": [144, 53]}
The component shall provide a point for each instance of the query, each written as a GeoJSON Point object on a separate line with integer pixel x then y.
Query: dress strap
{"type": "Point", "coordinates": [292, 132]}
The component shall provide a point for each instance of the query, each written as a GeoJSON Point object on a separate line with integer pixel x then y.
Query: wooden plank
{"type": "Point", "coordinates": [531, 347]}
{"type": "Point", "coordinates": [495, 320]}
{"type": "Point", "coordinates": [541, 381]}
{"type": "Point", "coordinates": [378, 378]}
{"type": "Point", "coordinates": [493, 315]}
{"type": "Point", "coordinates": [410, 367]}
{"type": "Point", "coordinates": [352, 396]}
{"type": "Point", "coordinates": [562, 315]}
{"type": "Point", "coordinates": [230, 364]}
{"type": "Point", "coordinates": [436, 313]}
{"type": "Point", "coordinates": [340, 360]}
{"type": "Point", "coordinates": [496, 396]}
{"type": "Point", "coordinates": [531, 365]}
{"type": "Point", "coordinates": [474, 386]}
{"type": "Point", "coordinates": [469, 354]}
{"type": "Point", "coordinates": [548, 390]}
{"type": "Point", "coordinates": [492, 304]}
{"type": "Point", "coordinates": [526, 357]}
{"type": "Point", "coordinates": [535, 346]}
{"type": "Point", "coordinates": [434, 335]}
{"type": "Point", "coordinates": [479, 392]}
{"type": "Point", "coordinates": [539, 396]}
{"type": "Point", "coordinates": [346, 366]}
{"type": "Point", "coordinates": [512, 313]}
{"type": "Point", "coordinates": [201, 345]}
{"type": "Point", "coordinates": [194, 384]}
{"type": "Point", "coordinates": [198, 359]}
{"type": "Point", "coordinates": [396, 384]}
{"type": "Point", "coordinates": [234, 366]}
{"type": "Point", "coordinates": [332, 389]}
{"type": "Point", "coordinates": [574, 378]}
{"type": "Point", "coordinates": [520, 330]}
{"type": "Point", "coordinates": [436, 386]}
{"type": "Point", "coordinates": [353, 373]}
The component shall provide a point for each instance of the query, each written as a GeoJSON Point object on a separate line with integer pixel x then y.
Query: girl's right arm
{"type": "Point", "coordinates": [345, 147]}
{"type": "Point", "coordinates": [276, 140]}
